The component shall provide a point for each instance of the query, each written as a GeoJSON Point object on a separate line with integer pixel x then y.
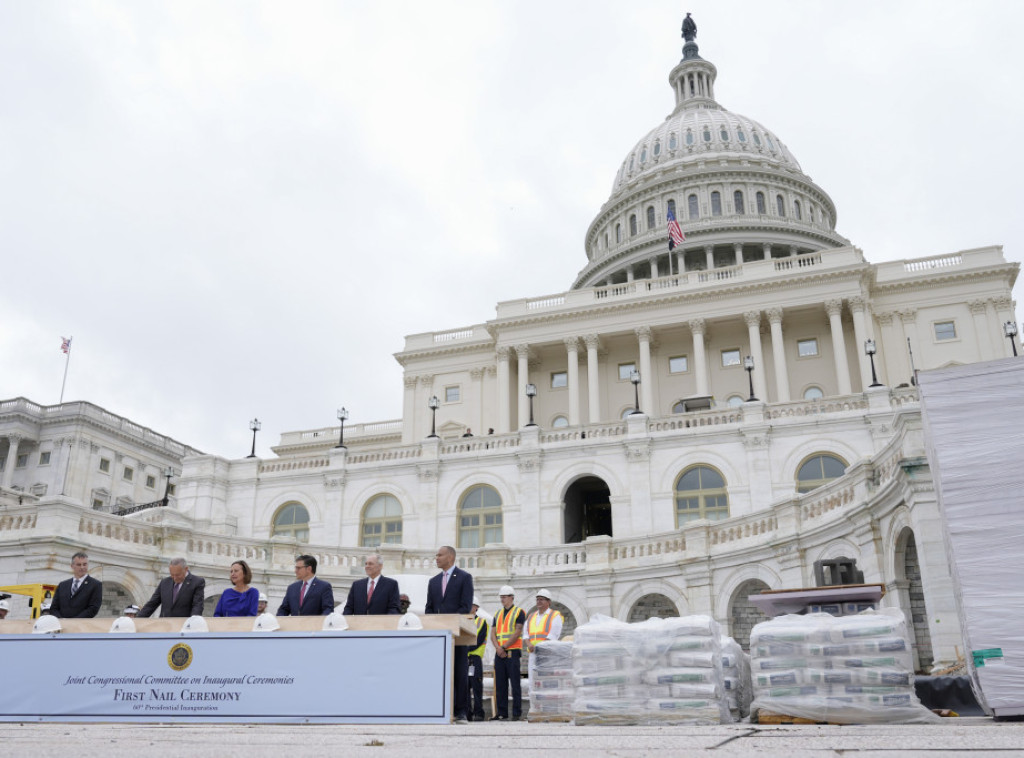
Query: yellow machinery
{"type": "Point", "coordinates": [37, 595]}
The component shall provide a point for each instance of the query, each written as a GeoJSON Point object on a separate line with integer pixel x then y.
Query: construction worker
{"type": "Point", "coordinates": [544, 624]}
{"type": "Point", "coordinates": [476, 665]}
{"type": "Point", "coordinates": [507, 636]}
{"type": "Point", "coordinates": [5, 608]}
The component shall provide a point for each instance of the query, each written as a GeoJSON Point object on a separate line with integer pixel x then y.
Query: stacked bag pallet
{"type": "Point", "coordinates": [736, 678]}
{"type": "Point", "coordinates": [660, 671]}
{"type": "Point", "coordinates": [842, 670]}
{"type": "Point", "coordinates": [551, 690]}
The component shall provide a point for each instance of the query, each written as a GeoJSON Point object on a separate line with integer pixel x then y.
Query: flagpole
{"type": "Point", "coordinates": [67, 361]}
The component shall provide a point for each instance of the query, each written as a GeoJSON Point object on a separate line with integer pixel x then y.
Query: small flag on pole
{"type": "Point", "coordinates": [675, 232]}
{"type": "Point", "coordinates": [65, 345]}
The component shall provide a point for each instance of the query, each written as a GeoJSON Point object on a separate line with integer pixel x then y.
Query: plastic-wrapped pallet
{"type": "Point", "coordinates": [551, 689]}
{"type": "Point", "coordinates": [608, 665]}
{"type": "Point", "coordinates": [736, 678]}
{"type": "Point", "coordinates": [845, 670]}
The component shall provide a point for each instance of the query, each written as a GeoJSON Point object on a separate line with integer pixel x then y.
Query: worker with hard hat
{"type": "Point", "coordinates": [5, 608]}
{"type": "Point", "coordinates": [543, 625]}
{"type": "Point", "coordinates": [507, 636]}
{"type": "Point", "coordinates": [261, 604]}
{"type": "Point", "coordinates": [476, 665]}
{"type": "Point", "coordinates": [131, 611]}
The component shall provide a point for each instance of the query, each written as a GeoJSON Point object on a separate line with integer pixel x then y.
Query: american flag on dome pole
{"type": "Point", "coordinates": [65, 347]}
{"type": "Point", "coordinates": [675, 232]}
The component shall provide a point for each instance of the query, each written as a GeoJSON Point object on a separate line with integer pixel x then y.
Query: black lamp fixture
{"type": "Point", "coordinates": [870, 350]}
{"type": "Point", "coordinates": [255, 425]}
{"type": "Point", "coordinates": [433, 404]}
{"type": "Point", "coordinates": [748, 365]}
{"type": "Point", "coordinates": [1010, 330]}
{"type": "Point", "coordinates": [531, 392]}
{"type": "Point", "coordinates": [168, 472]}
{"type": "Point", "coordinates": [634, 376]}
{"type": "Point", "coordinates": [342, 416]}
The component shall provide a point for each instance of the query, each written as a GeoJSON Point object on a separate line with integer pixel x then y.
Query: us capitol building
{"type": "Point", "coordinates": [735, 476]}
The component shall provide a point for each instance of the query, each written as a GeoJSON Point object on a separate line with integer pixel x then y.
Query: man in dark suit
{"type": "Point", "coordinates": [179, 595]}
{"type": "Point", "coordinates": [451, 591]}
{"type": "Point", "coordinates": [375, 595]}
{"type": "Point", "coordinates": [308, 596]}
{"type": "Point", "coordinates": [80, 596]}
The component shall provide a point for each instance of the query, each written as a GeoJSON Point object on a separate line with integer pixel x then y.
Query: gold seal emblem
{"type": "Point", "coordinates": [180, 657]}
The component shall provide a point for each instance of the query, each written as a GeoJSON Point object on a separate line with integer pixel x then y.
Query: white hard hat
{"type": "Point", "coordinates": [476, 600]}
{"type": "Point", "coordinates": [195, 624]}
{"type": "Point", "coordinates": [410, 621]}
{"type": "Point", "coordinates": [506, 590]}
{"type": "Point", "coordinates": [131, 610]}
{"type": "Point", "coordinates": [4, 605]}
{"type": "Point", "coordinates": [46, 605]}
{"type": "Point", "coordinates": [544, 593]}
{"type": "Point", "coordinates": [263, 598]}
{"type": "Point", "coordinates": [123, 624]}
{"type": "Point", "coordinates": [335, 621]}
{"type": "Point", "coordinates": [266, 622]}
{"type": "Point", "coordinates": [46, 625]}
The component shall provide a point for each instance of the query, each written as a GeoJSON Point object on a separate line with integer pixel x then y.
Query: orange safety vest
{"type": "Point", "coordinates": [504, 628]}
{"type": "Point", "coordinates": [538, 632]}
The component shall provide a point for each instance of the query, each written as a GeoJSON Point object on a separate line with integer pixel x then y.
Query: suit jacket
{"type": "Point", "coordinates": [384, 601]}
{"type": "Point", "coordinates": [319, 600]}
{"type": "Point", "coordinates": [189, 602]}
{"type": "Point", "coordinates": [84, 605]}
{"type": "Point", "coordinates": [457, 599]}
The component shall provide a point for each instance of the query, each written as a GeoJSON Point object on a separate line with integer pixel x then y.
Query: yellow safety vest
{"type": "Point", "coordinates": [504, 628]}
{"type": "Point", "coordinates": [538, 631]}
{"type": "Point", "coordinates": [479, 651]}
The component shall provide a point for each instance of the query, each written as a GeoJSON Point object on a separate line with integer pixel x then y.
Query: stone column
{"type": "Point", "coordinates": [709, 256]}
{"type": "Point", "coordinates": [858, 307]}
{"type": "Point", "coordinates": [834, 308]}
{"type": "Point", "coordinates": [779, 355]}
{"type": "Point", "coordinates": [680, 262]}
{"type": "Point", "coordinates": [908, 318]}
{"type": "Point", "coordinates": [409, 431]}
{"type": "Point", "coordinates": [522, 379]}
{"type": "Point", "coordinates": [654, 268]}
{"type": "Point", "coordinates": [738, 252]}
{"type": "Point", "coordinates": [629, 273]}
{"type": "Point", "coordinates": [700, 360]}
{"type": "Point", "coordinates": [1001, 308]}
{"type": "Point", "coordinates": [753, 320]}
{"type": "Point", "coordinates": [572, 347]}
{"type": "Point", "coordinates": [981, 330]}
{"type": "Point", "coordinates": [504, 408]}
{"type": "Point", "coordinates": [593, 342]}
{"type": "Point", "coordinates": [892, 351]}
{"type": "Point", "coordinates": [12, 459]}
{"type": "Point", "coordinates": [643, 334]}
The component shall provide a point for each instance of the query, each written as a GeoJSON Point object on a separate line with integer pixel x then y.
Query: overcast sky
{"type": "Point", "coordinates": [240, 209]}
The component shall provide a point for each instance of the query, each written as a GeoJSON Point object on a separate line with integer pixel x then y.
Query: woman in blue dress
{"type": "Point", "coordinates": [240, 599]}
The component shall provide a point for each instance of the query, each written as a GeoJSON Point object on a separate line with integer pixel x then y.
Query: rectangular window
{"type": "Point", "coordinates": [97, 504]}
{"type": "Point", "coordinates": [44, 458]}
{"type": "Point", "coordinates": [559, 379]}
{"type": "Point", "coordinates": [945, 330]}
{"type": "Point", "coordinates": [129, 473]}
{"type": "Point", "coordinates": [22, 461]}
{"type": "Point", "coordinates": [730, 357]}
{"type": "Point", "coordinates": [807, 348]}
{"type": "Point", "coordinates": [150, 482]}
{"type": "Point", "coordinates": [451, 394]}
{"type": "Point", "coordinates": [677, 365]}
{"type": "Point", "coordinates": [625, 369]}
{"type": "Point", "coordinates": [105, 465]}
{"type": "Point", "coordinates": [171, 489]}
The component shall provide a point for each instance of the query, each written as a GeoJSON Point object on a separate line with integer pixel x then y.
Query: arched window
{"type": "Point", "coordinates": [631, 163]}
{"type": "Point", "coordinates": [768, 139]}
{"type": "Point", "coordinates": [643, 155]}
{"type": "Point", "coordinates": [817, 470]}
{"type": "Point", "coordinates": [672, 207]}
{"type": "Point", "coordinates": [707, 134]}
{"type": "Point", "coordinates": [780, 205]}
{"type": "Point", "coordinates": [606, 240]}
{"type": "Point", "coordinates": [796, 210]}
{"type": "Point", "coordinates": [657, 149]}
{"type": "Point", "coordinates": [382, 522]}
{"type": "Point", "coordinates": [735, 401]}
{"type": "Point", "coordinates": [559, 422]}
{"type": "Point", "coordinates": [632, 225]}
{"type": "Point", "coordinates": [760, 203]}
{"type": "Point", "coordinates": [480, 517]}
{"type": "Point", "coordinates": [757, 139]}
{"type": "Point", "coordinates": [700, 493]}
{"type": "Point", "coordinates": [716, 203]}
{"type": "Point", "coordinates": [724, 134]}
{"type": "Point", "coordinates": [672, 143]}
{"type": "Point", "coordinates": [618, 233]}
{"type": "Point", "coordinates": [292, 520]}
{"type": "Point", "coordinates": [810, 212]}
{"type": "Point", "coordinates": [694, 209]}
{"type": "Point", "coordinates": [650, 217]}
{"type": "Point", "coordinates": [737, 201]}
{"type": "Point", "coordinates": [813, 393]}
{"type": "Point", "coordinates": [689, 137]}
{"type": "Point", "coordinates": [740, 134]}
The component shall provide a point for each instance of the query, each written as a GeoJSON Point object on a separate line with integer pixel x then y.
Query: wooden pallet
{"type": "Point", "coordinates": [547, 718]}
{"type": "Point", "coordinates": [771, 717]}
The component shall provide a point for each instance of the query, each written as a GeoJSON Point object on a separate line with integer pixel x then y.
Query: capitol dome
{"type": "Point", "coordinates": [737, 191]}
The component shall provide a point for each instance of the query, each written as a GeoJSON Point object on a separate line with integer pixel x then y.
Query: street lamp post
{"type": "Point", "coordinates": [255, 425]}
{"type": "Point", "coordinates": [531, 392]}
{"type": "Point", "coordinates": [342, 415]}
{"type": "Point", "coordinates": [634, 376]}
{"type": "Point", "coordinates": [748, 364]}
{"type": "Point", "coordinates": [1010, 330]}
{"type": "Point", "coordinates": [168, 472]}
{"type": "Point", "coordinates": [433, 404]}
{"type": "Point", "coordinates": [870, 350]}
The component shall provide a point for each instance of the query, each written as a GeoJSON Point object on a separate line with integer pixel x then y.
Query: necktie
{"type": "Point", "coordinates": [444, 583]}
{"type": "Point", "coordinates": [174, 594]}
{"type": "Point", "coordinates": [74, 586]}
{"type": "Point", "coordinates": [302, 594]}
{"type": "Point", "coordinates": [369, 595]}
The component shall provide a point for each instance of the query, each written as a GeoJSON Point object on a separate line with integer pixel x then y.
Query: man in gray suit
{"type": "Point", "coordinates": [178, 595]}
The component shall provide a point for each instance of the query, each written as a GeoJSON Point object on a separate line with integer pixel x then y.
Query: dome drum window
{"type": "Point", "coordinates": [761, 204]}
{"type": "Point", "coordinates": [737, 201]}
{"type": "Point", "coordinates": [672, 143]}
{"type": "Point", "coordinates": [632, 225]}
{"type": "Point", "coordinates": [643, 156]}
{"type": "Point", "coordinates": [693, 207]}
{"type": "Point", "coordinates": [657, 149]}
{"type": "Point", "coordinates": [780, 205]}
{"type": "Point", "coordinates": [716, 203]}
{"type": "Point", "coordinates": [724, 134]}
{"type": "Point", "coordinates": [740, 134]}
{"type": "Point", "coordinates": [689, 137]}
{"type": "Point", "coordinates": [707, 134]}
{"type": "Point", "coordinates": [650, 217]}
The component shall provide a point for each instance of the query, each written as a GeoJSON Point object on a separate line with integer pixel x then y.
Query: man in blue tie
{"type": "Point", "coordinates": [451, 591]}
{"type": "Point", "coordinates": [80, 596]}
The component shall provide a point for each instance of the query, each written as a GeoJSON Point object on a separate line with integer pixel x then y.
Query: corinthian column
{"type": "Point", "coordinates": [753, 320]}
{"type": "Point", "coordinates": [13, 440]}
{"type": "Point", "coordinates": [593, 342]}
{"type": "Point", "coordinates": [779, 355]}
{"type": "Point", "coordinates": [858, 307]}
{"type": "Point", "coordinates": [504, 409]}
{"type": "Point", "coordinates": [700, 359]}
{"type": "Point", "coordinates": [523, 378]}
{"type": "Point", "coordinates": [572, 347]}
{"type": "Point", "coordinates": [834, 308]}
{"type": "Point", "coordinates": [643, 335]}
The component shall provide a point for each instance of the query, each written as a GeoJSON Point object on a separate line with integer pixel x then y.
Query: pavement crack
{"type": "Point", "coordinates": [747, 733]}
